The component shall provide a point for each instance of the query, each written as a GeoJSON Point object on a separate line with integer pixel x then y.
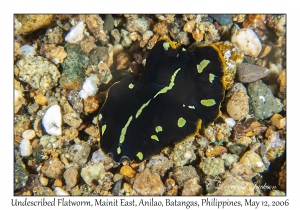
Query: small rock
{"type": "Point", "coordinates": [222, 19]}
{"type": "Point", "coordinates": [282, 177]}
{"type": "Point", "coordinates": [88, 44]}
{"type": "Point", "coordinates": [76, 33]}
{"type": "Point", "coordinates": [213, 166]}
{"type": "Point", "coordinates": [278, 121]}
{"type": "Point", "coordinates": [247, 41]}
{"type": "Point", "coordinates": [123, 61]}
{"type": "Point", "coordinates": [92, 130]}
{"type": "Point", "coordinates": [216, 151]}
{"type": "Point", "coordinates": [92, 172]}
{"type": "Point", "coordinates": [43, 180]}
{"type": "Point", "coordinates": [71, 177]}
{"type": "Point", "coordinates": [25, 148]}
{"type": "Point", "coordinates": [53, 168]}
{"type": "Point", "coordinates": [28, 134]}
{"type": "Point", "coordinates": [57, 183]}
{"type": "Point", "coordinates": [282, 83]}
{"type": "Point", "coordinates": [127, 171]}
{"type": "Point", "coordinates": [181, 174]}
{"type": "Point", "coordinates": [52, 120]}
{"type": "Point", "coordinates": [248, 73]}
{"type": "Point", "coordinates": [41, 100]}
{"type": "Point", "coordinates": [54, 36]}
{"type": "Point", "coordinates": [95, 25]}
{"type": "Point", "coordinates": [253, 161]}
{"type": "Point", "coordinates": [42, 191]}
{"type": "Point", "coordinates": [108, 23]}
{"type": "Point", "coordinates": [56, 55]}
{"type": "Point", "coordinates": [237, 148]}
{"type": "Point", "coordinates": [91, 104]}
{"type": "Point", "coordinates": [79, 153]}
{"type": "Point", "coordinates": [20, 173]}
{"type": "Point", "coordinates": [183, 152]}
{"type": "Point", "coordinates": [38, 72]}
{"type": "Point", "coordinates": [138, 24]}
{"type": "Point", "coordinates": [72, 119]}
{"type": "Point", "coordinates": [262, 102]}
{"type": "Point", "coordinates": [229, 159]}
{"type": "Point", "coordinates": [76, 101]}
{"type": "Point", "coordinates": [59, 191]}
{"type": "Point", "coordinates": [192, 187]}
{"type": "Point", "coordinates": [277, 193]}
{"type": "Point", "coordinates": [237, 102]}
{"type": "Point", "coordinates": [147, 183]}
{"type": "Point", "coordinates": [159, 164]}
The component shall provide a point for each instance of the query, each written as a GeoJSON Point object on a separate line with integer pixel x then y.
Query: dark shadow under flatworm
{"type": "Point", "coordinates": [178, 92]}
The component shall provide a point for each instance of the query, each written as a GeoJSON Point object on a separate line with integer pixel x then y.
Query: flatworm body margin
{"type": "Point", "coordinates": [140, 121]}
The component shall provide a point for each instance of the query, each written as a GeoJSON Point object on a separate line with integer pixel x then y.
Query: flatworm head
{"type": "Point", "coordinates": [178, 92]}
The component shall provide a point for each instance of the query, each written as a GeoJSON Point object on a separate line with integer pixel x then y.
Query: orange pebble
{"type": "Point", "coordinates": [41, 100]}
{"type": "Point", "coordinates": [127, 171]}
{"type": "Point", "coordinates": [216, 151]}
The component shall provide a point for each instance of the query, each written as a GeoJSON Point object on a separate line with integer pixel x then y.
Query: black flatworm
{"type": "Point", "coordinates": [179, 92]}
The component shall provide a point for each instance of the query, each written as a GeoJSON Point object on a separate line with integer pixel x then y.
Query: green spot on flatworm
{"type": "Point", "coordinates": [181, 122]}
{"type": "Point", "coordinates": [130, 85]}
{"type": "Point", "coordinates": [124, 129]}
{"type": "Point", "coordinates": [211, 77]}
{"type": "Point", "coordinates": [158, 129]}
{"type": "Point", "coordinates": [168, 103]}
{"type": "Point", "coordinates": [119, 150]}
{"type": "Point", "coordinates": [201, 66]}
{"type": "Point", "coordinates": [154, 137]}
{"type": "Point", "coordinates": [140, 155]}
{"type": "Point", "coordinates": [103, 128]}
{"type": "Point", "coordinates": [208, 102]}
{"type": "Point", "coordinates": [166, 46]}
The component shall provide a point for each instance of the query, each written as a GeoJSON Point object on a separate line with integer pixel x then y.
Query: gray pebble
{"type": "Point", "coordinates": [248, 73]}
{"type": "Point", "coordinates": [262, 102]}
{"type": "Point", "coordinates": [222, 19]}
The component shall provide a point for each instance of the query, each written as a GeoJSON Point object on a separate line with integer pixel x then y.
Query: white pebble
{"type": "Point", "coordinates": [28, 134]}
{"type": "Point", "coordinates": [59, 191]}
{"type": "Point", "coordinates": [76, 33]}
{"type": "Point", "coordinates": [230, 122]}
{"type": "Point", "coordinates": [52, 120]}
{"type": "Point", "coordinates": [247, 41]}
{"type": "Point", "coordinates": [90, 86]}
{"type": "Point", "coordinates": [27, 50]}
{"type": "Point", "coordinates": [25, 148]}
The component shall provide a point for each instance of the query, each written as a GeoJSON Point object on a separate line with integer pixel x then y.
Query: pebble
{"type": "Point", "coordinates": [147, 183]}
{"type": "Point", "coordinates": [222, 19]}
{"type": "Point", "coordinates": [52, 120]}
{"type": "Point", "coordinates": [215, 151]}
{"type": "Point", "coordinates": [76, 101]}
{"type": "Point", "coordinates": [25, 148]}
{"type": "Point", "coordinates": [262, 102]}
{"type": "Point", "coordinates": [127, 171]}
{"type": "Point", "coordinates": [92, 172]}
{"type": "Point", "coordinates": [91, 104]}
{"type": "Point", "coordinates": [181, 174]}
{"type": "Point", "coordinates": [54, 36]}
{"type": "Point", "coordinates": [28, 134]}
{"type": "Point", "coordinates": [237, 102]}
{"type": "Point", "coordinates": [253, 161]}
{"type": "Point", "coordinates": [108, 23]}
{"type": "Point", "coordinates": [95, 25]}
{"type": "Point", "coordinates": [229, 159]}
{"type": "Point", "coordinates": [282, 177]}
{"type": "Point", "coordinates": [192, 187]}
{"type": "Point", "coordinates": [88, 44]}
{"type": "Point", "coordinates": [138, 24]}
{"type": "Point", "coordinates": [248, 73]}
{"type": "Point", "coordinates": [213, 166]}
{"type": "Point", "coordinates": [41, 100]}
{"type": "Point", "coordinates": [183, 152]}
{"type": "Point", "coordinates": [72, 119]}
{"type": "Point", "coordinates": [42, 191]}
{"type": "Point", "coordinates": [76, 33]}
{"type": "Point", "coordinates": [38, 72]}
{"type": "Point", "coordinates": [61, 192]}
{"type": "Point", "coordinates": [57, 183]}
{"type": "Point", "coordinates": [123, 61]}
{"type": "Point", "coordinates": [20, 173]}
{"type": "Point", "coordinates": [236, 148]}
{"type": "Point", "coordinates": [247, 41]}
{"type": "Point", "coordinates": [159, 164]}
{"type": "Point", "coordinates": [79, 153]}
{"type": "Point", "coordinates": [92, 130]}
{"type": "Point", "coordinates": [71, 177]}
{"type": "Point", "coordinates": [278, 121]}
{"type": "Point", "coordinates": [56, 55]}
{"type": "Point", "coordinates": [53, 168]}
{"type": "Point", "coordinates": [282, 85]}
{"type": "Point", "coordinates": [43, 180]}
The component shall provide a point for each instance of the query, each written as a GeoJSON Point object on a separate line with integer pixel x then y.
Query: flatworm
{"type": "Point", "coordinates": [179, 92]}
